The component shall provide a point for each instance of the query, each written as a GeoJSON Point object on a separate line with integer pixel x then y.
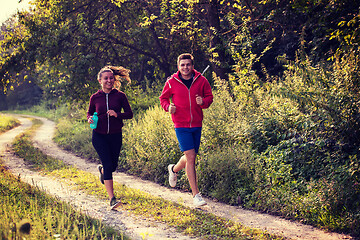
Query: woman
{"type": "Point", "coordinates": [107, 136]}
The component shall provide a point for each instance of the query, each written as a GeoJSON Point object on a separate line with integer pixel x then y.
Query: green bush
{"type": "Point", "coordinates": [150, 144]}
{"type": "Point", "coordinates": [226, 174]}
{"type": "Point", "coordinates": [312, 172]}
{"type": "Point", "coordinates": [75, 136]}
{"type": "Point", "coordinates": [222, 125]}
{"type": "Point", "coordinates": [141, 100]}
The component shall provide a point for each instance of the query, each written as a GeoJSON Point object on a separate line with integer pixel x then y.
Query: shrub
{"type": "Point", "coordinates": [150, 144]}
{"type": "Point", "coordinates": [75, 136]}
{"type": "Point", "coordinates": [141, 100]}
{"type": "Point", "coordinates": [226, 174]}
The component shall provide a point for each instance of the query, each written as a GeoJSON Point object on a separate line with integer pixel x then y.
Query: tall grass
{"type": "Point", "coordinates": [49, 109]}
{"type": "Point", "coordinates": [75, 136]}
{"type": "Point", "coordinates": [7, 123]}
{"type": "Point", "coordinates": [150, 145]}
{"type": "Point", "coordinates": [189, 221]}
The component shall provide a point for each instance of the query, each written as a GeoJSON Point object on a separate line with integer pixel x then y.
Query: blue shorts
{"type": "Point", "coordinates": [189, 138]}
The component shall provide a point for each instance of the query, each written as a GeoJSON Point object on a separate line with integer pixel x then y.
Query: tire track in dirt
{"type": "Point", "coordinates": [252, 219]}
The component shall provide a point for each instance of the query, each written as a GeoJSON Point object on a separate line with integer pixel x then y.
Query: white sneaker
{"type": "Point", "coordinates": [172, 176]}
{"type": "Point", "coordinates": [198, 200]}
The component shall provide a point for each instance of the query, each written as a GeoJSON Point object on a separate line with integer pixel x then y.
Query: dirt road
{"type": "Point", "coordinates": [135, 226]}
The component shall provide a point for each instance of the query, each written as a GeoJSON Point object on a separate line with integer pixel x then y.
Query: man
{"type": "Point", "coordinates": [189, 92]}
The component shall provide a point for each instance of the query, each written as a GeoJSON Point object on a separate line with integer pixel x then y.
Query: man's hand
{"type": "Point", "coordinates": [199, 100]}
{"type": "Point", "coordinates": [172, 108]}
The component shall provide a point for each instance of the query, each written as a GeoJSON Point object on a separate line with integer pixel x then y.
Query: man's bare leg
{"type": "Point", "coordinates": [188, 162]}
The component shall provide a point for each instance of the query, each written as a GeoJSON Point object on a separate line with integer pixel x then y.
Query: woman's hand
{"type": "Point", "coordinates": [90, 120]}
{"type": "Point", "coordinates": [112, 113]}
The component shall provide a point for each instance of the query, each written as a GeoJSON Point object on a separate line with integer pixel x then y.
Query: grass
{"type": "Point", "coordinates": [22, 205]}
{"type": "Point", "coordinates": [7, 122]}
{"type": "Point", "coordinates": [186, 220]}
{"type": "Point", "coordinates": [27, 212]}
{"type": "Point", "coordinates": [45, 109]}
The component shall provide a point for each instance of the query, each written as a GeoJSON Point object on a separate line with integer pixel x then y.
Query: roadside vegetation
{"type": "Point", "coordinates": [288, 148]}
{"type": "Point", "coordinates": [27, 212]}
{"type": "Point", "coordinates": [7, 123]}
{"type": "Point", "coordinates": [186, 220]}
{"type": "Point", "coordinates": [283, 133]}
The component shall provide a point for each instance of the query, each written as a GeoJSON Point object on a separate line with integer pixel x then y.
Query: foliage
{"type": "Point", "coordinates": [140, 100]}
{"type": "Point", "coordinates": [318, 164]}
{"type": "Point", "coordinates": [64, 43]}
{"type": "Point", "coordinates": [270, 147]}
{"type": "Point", "coordinates": [67, 42]}
{"type": "Point", "coordinates": [7, 123]}
{"type": "Point", "coordinates": [189, 221]}
{"type": "Point", "coordinates": [24, 96]}
{"type": "Point", "coordinates": [150, 145]}
{"type": "Point", "coordinates": [284, 120]}
{"type": "Point", "coordinates": [226, 174]}
{"type": "Point", "coordinates": [347, 33]}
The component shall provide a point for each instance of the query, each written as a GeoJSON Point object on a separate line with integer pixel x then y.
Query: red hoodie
{"type": "Point", "coordinates": [188, 113]}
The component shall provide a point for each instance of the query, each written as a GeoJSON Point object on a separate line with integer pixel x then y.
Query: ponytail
{"type": "Point", "coordinates": [121, 74]}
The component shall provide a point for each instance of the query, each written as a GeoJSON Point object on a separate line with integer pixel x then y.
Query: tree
{"type": "Point", "coordinates": [77, 38]}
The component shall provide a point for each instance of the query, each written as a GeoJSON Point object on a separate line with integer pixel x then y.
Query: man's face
{"type": "Point", "coordinates": [186, 68]}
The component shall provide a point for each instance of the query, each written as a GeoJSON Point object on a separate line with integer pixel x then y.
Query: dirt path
{"type": "Point", "coordinates": [135, 227]}
{"type": "Point", "coordinates": [124, 220]}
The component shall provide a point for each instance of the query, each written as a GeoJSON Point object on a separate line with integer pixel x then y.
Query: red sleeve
{"type": "Point", "coordinates": [165, 96]}
{"type": "Point", "coordinates": [207, 95]}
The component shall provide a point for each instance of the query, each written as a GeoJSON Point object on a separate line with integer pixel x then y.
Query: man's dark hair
{"type": "Point", "coordinates": [185, 56]}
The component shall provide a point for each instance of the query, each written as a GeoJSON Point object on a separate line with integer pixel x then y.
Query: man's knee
{"type": "Point", "coordinates": [190, 157]}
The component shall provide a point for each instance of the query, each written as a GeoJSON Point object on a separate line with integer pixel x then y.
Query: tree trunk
{"type": "Point", "coordinates": [217, 50]}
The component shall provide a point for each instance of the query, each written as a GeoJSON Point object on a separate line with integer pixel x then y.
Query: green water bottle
{"type": "Point", "coordinates": [95, 121]}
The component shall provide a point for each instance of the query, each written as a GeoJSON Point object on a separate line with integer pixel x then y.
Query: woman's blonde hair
{"type": "Point", "coordinates": [121, 74]}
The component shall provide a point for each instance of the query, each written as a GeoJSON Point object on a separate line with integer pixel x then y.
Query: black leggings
{"type": "Point", "coordinates": [108, 148]}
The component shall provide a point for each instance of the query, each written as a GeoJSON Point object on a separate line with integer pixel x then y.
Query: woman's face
{"type": "Point", "coordinates": [107, 81]}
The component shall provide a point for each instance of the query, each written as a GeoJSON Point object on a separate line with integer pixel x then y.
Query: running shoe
{"type": "Point", "coordinates": [198, 200]}
{"type": "Point", "coordinates": [101, 176]}
{"type": "Point", "coordinates": [172, 176]}
{"type": "Point", "coordinates": [114, 203]}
